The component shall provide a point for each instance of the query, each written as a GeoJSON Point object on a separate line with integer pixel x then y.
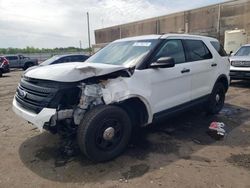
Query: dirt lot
{"type": "Point", "coordinates": [173, 153]}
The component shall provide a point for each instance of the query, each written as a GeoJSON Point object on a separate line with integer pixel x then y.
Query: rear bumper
{"type": "Point", "coordinates": [38, 120]}
{"type": "Point", "coordinates": [240, 75]}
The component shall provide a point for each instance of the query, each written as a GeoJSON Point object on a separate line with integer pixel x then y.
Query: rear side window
{"type": "Point", "coordinates": [12, 58]}
{"type": "Point", "coordinates": [219, 48]}
{"type": "Point", "coordinates": [196, 50]}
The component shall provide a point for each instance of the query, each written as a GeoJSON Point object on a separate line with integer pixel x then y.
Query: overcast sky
{"type": "Point", "coordinates": [62, 23]}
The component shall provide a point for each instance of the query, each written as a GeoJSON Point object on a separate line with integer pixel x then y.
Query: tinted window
{"type": "Point", "coordinates": [62, 60]}
{"type": "Point", "coordinates": [82, 58]}
{"type": "Point", "coordinates": [74, 58]}
{"type": "Point", "coordinates": [174, 49]}
{"type": "Point", "coordinates": [197, 50]}
{"type": "Point", "coordinates": [219, 48]}
{"type": "Point", "coordinates": [12, 58]}
{"type": "Point", "coordinates": [78, 58]}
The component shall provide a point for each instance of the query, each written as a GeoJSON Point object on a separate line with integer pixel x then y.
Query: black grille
{"type": "Point", "coordinates": [34, 95]}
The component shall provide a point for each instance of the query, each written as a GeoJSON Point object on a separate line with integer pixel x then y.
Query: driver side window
{"type": "Point", "coordinates": [172, 48]}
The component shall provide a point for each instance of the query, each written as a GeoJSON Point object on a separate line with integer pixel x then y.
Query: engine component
{"type": "Point", "coordinates": [91, 96]}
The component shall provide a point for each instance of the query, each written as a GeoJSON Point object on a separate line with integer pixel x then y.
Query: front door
{"type": "Point", "coordinates": [170, 87]}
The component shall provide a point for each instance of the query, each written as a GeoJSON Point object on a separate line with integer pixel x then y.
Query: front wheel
{"type": "Point", "coordinates": [104, 133]}
{"type": "Point", "coordinates": [1, 73]}
{"type": "Point", "coordinates": [216, 99]}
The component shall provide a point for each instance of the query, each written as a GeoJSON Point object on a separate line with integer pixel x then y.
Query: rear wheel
{"type": "Point", "coordinates": [216, 99]}
{"type": "Point", "coordinates": [1, 73]}
{"type": "Point", "coordinates": [104, 133]}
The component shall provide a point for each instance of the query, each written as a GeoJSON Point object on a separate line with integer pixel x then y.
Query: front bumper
{"type": "Point", "coordinates": [36, 119]}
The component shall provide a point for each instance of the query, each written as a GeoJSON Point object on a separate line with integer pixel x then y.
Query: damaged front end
{"type": "Point", "coordinates": [90, 93]}
{"type": "Point", "coordinates": [67, 118]}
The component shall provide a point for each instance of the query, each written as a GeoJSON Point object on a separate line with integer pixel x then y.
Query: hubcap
{"type": "Point", "coordinates": [109, 133]}
{"type": "Point", "coordinates": [217, 98]}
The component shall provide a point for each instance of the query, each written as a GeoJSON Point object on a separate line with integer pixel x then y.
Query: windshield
{"type": "Point", "coordinates": [50, 60]}
{"type": "Point", "coordinates": [127, 53]}
{"type": "Point", "coordinates": [243, 51]}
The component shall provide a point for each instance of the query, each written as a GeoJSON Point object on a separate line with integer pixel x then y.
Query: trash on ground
{"type": "Point", "coordinates": [217, 130]}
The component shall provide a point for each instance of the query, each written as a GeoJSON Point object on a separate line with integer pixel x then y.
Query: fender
{"type": "Point", "coordinates": [116, 91]}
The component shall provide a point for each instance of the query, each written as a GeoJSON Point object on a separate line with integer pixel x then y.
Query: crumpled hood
{"type": "Point", "coordinates": [71, 72]}
{"type": "Point", "coordinates": [240, 58]}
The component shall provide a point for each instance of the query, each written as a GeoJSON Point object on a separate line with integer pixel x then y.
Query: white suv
{"type": "Point", "coordinates": [131, 82]}
{"type": "Point", "coordinates": [240, 64]}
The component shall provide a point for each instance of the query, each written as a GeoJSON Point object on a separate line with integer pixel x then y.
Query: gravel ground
{"type": "Point", "coordinates": [176, 152]}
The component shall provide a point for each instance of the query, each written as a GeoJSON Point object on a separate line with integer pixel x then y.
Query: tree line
{"type": "Point", "coordinates": [29, 49]}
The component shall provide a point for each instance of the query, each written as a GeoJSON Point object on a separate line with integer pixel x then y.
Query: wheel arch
{"type": "Point", "coordinates": [138, 109]}
{"type": "Point", "coordinates": [224, 80]}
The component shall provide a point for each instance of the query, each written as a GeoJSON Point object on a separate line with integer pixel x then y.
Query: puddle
{"type": "Point", "coordinates": [135, 171]}
{"type": "Point", "coordinates": [56, 154]}
{"type": "Point", "coordinates": [146, 143]}
{"type": "Point", "coordinates": [230, 111]}
{"type": "Point", "coordinates": [46, 153]}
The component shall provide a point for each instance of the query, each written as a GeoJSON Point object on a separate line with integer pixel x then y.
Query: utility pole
{"type": "Point", "coordinates": [218, 22]}
{"type": "Point", "coordinates": [89, 33]}
{"type": "Point", "coordinates": [80, 42]}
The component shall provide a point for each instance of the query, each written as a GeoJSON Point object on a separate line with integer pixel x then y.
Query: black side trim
{"type": "Point", "coordinates": [180, 108]}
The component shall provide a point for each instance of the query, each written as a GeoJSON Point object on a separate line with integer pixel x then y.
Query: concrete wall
{"type": "Point", "coordinates": [210, 21]}
{"type": "Point", "coordinates": [235, 15]}
{"type": "Point", "coordinates": [172, 23]}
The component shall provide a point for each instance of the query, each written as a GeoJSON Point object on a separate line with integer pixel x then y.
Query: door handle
{"type": "Point", "coordinates": [185, 70]}
{"type": "Point", "coordinates": [214, 65]}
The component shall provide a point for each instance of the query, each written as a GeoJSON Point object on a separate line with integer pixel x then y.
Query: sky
{"type": "Point", "coordinates": [63, 23]}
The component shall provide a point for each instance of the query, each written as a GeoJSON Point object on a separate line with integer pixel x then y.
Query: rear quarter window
{"type": "Point", "coordinates": [196, 50]}
{"type": "Point", "coordinates": [12, 58]}
{"type": "Point", "coordinates": [219, 48]}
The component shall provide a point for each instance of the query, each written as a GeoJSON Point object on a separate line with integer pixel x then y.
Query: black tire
{"type": "Point", "coordinates": [27, 65]}
{"type": "Point", "coordinates": [216, 99]}
{"type": "Point", "coordinates": [90, 133]}
{"type": "Point", "coordinates": [1, 73]}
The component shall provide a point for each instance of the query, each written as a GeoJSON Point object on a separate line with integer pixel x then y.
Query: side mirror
{"type": "Point", "coordinates": [163, 62]}
{"type": "Point", "coordinates": [231, 53]}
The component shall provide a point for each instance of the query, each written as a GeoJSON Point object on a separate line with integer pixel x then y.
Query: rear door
{"type": "Point", "coordinates": [203, 67]}
{"type": "Point", "coordinates": [13, 61]}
